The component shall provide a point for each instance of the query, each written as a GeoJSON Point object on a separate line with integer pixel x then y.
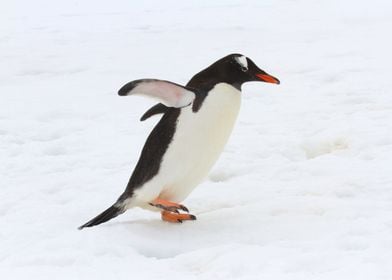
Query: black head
{"type": "Point", "coordinates": [234, 69]}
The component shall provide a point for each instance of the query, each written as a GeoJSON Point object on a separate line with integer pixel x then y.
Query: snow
{"type": "Point", "coordinates": [302, 191]}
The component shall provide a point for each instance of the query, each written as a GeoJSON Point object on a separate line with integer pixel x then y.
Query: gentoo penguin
{"type": "Point", "coordinates": [181, 149]}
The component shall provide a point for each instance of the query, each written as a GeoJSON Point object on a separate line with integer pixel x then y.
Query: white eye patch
{"type": "Point", "coordinates": [241, 60]}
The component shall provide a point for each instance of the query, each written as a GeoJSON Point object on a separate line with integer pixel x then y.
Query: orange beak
{"type": "Point", "coordinates": [268, 78]}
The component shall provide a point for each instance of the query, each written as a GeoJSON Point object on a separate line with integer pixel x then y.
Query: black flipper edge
{"type": "Point", "coordinates": [155, 110]}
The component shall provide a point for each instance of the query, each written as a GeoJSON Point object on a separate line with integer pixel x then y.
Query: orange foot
{"type": "Point", "coordinates": [171, 217]}
{"type": "Point", "coordinates": [168, 205]}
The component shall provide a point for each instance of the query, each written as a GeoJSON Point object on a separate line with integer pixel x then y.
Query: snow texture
{"type": "Point", "coordinates": [303, 189]}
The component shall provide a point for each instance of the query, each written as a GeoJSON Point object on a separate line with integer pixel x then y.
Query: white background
{"type": "Point", "coordinates": [303, 189]}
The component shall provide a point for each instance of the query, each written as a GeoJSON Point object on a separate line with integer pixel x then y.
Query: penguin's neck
{"type": "Point", "coordinates": [223, 98]}
{"type": "Point", "coordinates": [215, 119]}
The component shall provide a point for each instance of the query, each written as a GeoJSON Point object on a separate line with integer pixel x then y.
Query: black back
{"type": "Point", "coordinates": [155, 147]}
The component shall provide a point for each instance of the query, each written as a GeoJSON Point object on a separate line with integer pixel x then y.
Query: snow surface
{"type": "Point", "coordinates": [302, 191]}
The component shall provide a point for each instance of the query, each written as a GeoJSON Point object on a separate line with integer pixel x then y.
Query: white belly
{"type": "Point", "coordinates": [197, 143]}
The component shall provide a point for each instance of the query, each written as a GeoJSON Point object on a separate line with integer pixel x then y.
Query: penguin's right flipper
{"type": "Point", "coordinates": [168, 93]}
{"type": "Point", "coordinates": [108, 214]}
{"type": "Point", "coordinates": [155, 110]}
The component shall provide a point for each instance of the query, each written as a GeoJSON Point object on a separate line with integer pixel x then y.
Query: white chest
{"type": "Point", "coordinates": [198, 141]}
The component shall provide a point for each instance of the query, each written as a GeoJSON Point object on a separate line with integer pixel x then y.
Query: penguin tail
{"type": "Point", "coordinates": [108, 214]}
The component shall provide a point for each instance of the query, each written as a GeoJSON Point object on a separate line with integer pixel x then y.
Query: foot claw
{"type": "Point", "coordinates": [176, 218]}
{"type": "Point", "coordinates": [168, 206]}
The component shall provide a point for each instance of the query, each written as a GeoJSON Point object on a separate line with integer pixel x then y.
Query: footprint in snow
{"type": "Point", "coordinates": [319, 147]}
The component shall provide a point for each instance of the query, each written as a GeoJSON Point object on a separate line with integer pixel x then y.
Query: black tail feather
{"type": "Point", "coordinates": [105, 216]}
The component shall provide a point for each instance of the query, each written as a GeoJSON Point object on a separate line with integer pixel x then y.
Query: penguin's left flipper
{"type": "Point", "coordinates": [168, 93]}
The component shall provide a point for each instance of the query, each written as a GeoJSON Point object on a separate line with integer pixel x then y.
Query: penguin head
{"type": "Point", "coordinates": [234, 69]}
{"type": "Point", "coordinates": [240, 69]}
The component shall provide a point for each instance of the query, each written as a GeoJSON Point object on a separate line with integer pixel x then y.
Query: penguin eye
{"type": "Point", "coordinates": [244, 69]}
